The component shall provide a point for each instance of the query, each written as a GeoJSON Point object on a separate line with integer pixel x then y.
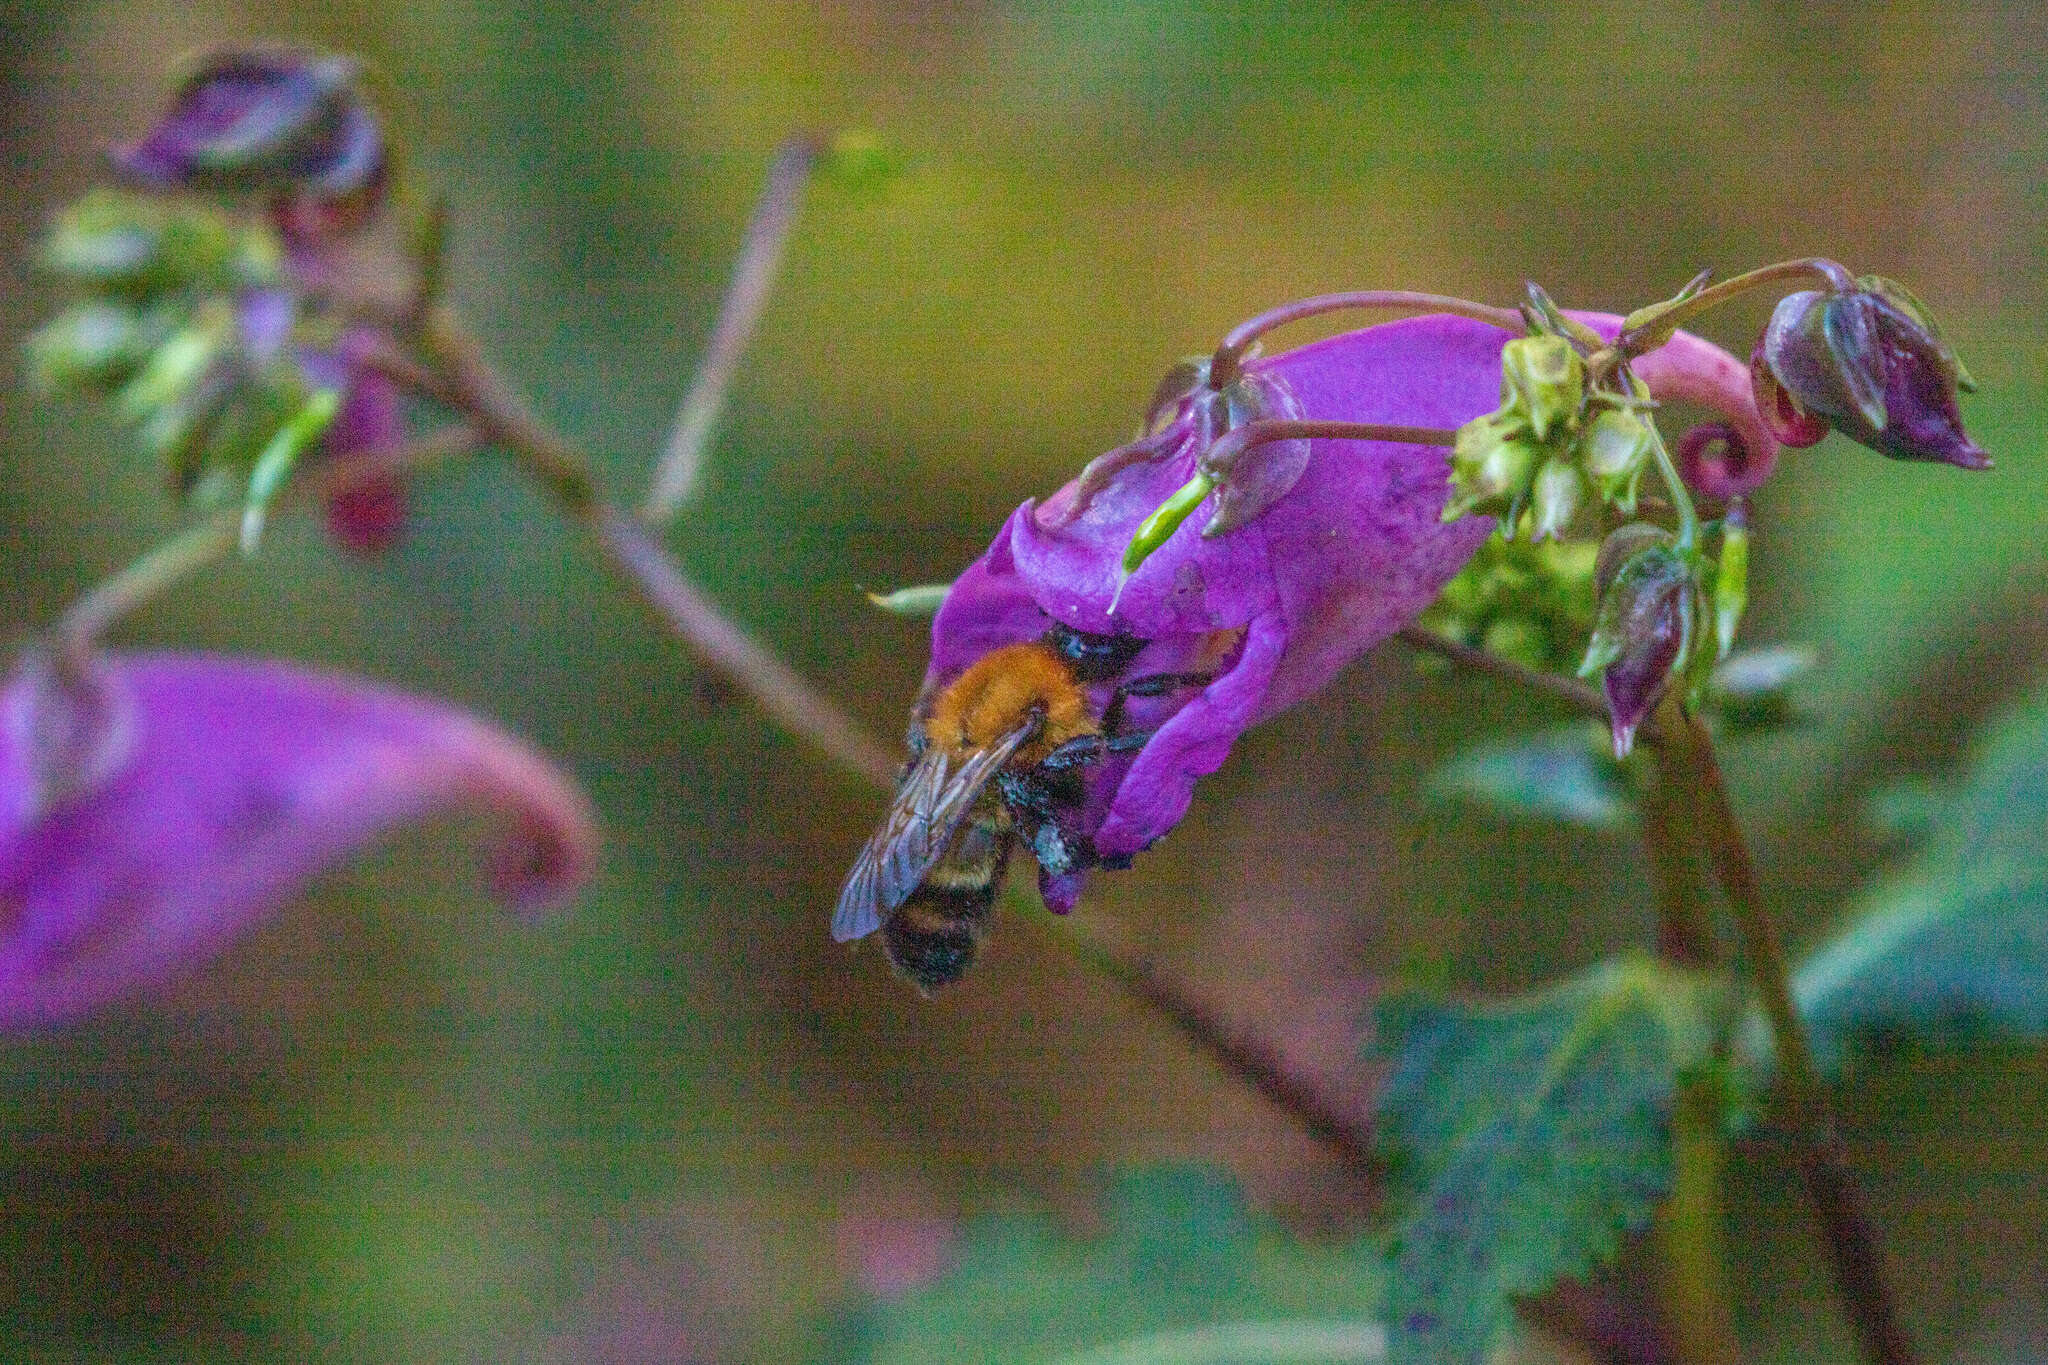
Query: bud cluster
{"type": "Point", "coordinates": [1522, 600]}
{"type": "Point", "coordinates": [183, 321]}
{"type": "Point", "coordinates": [1555, 444]}
{"type": "Point", "coordinates": [191, 302]}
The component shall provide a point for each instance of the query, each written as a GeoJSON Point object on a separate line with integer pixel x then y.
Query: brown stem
{"type": "Point", "coordinates": [1685, 932]}
{"type": "Point", "coordinates": [1234, 443]}
{"type": "Point", "coordinates": [1241, 1052]}
{"type": "Point", "coordinates": [630, 547]}
{"type": "Point", "coordinates": [1819, 269]}
{"type": "Point", "coordinates": [682, 456]}
{"type": "Point", "coordinates": [1572, 691]}
{"type": "Point", "coordinates": [1845, 1225]}
{"type": "Point", "coordinates": [1228, 361]}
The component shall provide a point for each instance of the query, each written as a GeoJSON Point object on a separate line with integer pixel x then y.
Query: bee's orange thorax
{"type": "Point", "coordinates": [998, 691]}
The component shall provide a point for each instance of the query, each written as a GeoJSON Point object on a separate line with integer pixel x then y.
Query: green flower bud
{"type": "Point", "coordinates": [1731, 578]}
{"type": "Point", "coordinates": [1158, 528]}
{"type": "Point", "coordinates": [94, 346]}
{"type": "Point", "coordinates": [1559, 493]}
{"type": "Point", "coordinates": [125, 245]}
{"type": "Point", "coordinates": [1544, 379]}
{"type": "Point", "coordinates": [1616, 448]}
{"type": "Point", "coordinates": [1492, 466]}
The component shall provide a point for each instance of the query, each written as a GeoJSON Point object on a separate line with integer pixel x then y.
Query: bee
{"type": "Point", "coordinates": [999, 752]}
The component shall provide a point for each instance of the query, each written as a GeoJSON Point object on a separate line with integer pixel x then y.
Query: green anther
{"type": "Point", "coordinates": [924, 599]}
{"type": "Point", "coordinates": [1157, 528]}
{"type": "Point", "coordinates": [279, 457]}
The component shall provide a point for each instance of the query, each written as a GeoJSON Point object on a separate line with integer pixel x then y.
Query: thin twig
{"type": "Point", "coordinates": [1581, 695]}
{"type": "Point", "coordinates": [1845, 1225]}
{"type": "Point", "coordinates": [1242, 1052]}
{"type": "Point", "coordinates": [214, 537]}
{"type": "Point", "coordinates": [631, 548]}
{"type": "Point", "coordinates": [682, 456]}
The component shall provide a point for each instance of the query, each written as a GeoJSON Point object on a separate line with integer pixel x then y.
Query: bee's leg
{"type": "Point", "coordinates": [1036, 800]}
{"type": "Point", "coordinates": [1075, 753]}
{"type": "Point", "coordinates": [1152, 685]}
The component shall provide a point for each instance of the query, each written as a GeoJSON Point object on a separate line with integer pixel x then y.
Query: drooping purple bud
{"type": "Point", "coordinates": [274, 122]}
{"type": "Point", "coordinates": [236, 782]}
{"type": "Point", "coordinates": [1871, 364]}
{"type": "Point", "coordinates": [1647, 626]}
{"type": "Point", "coordinates": [366, 516]}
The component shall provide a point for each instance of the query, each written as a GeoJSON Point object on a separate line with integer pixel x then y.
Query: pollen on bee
{"type": "Point", "coordinates": [999, 691]}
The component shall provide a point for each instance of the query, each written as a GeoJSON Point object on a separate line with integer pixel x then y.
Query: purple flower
{"type": "Point", "coordinates": [223, 787]}
{"type": "Point", "coordinates": [277, 122]}
{"type": "Point", "coordinates": [1350, 552]}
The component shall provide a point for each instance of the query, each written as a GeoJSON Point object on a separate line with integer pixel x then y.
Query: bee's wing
{"type": "Point", "coordinates": [931, 801]}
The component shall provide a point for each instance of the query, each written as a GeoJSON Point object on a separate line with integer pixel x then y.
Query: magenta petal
{"type": "Point", "coordinates": [1156, 791]}
{"type": "Point", "coordinates": [246, 779]}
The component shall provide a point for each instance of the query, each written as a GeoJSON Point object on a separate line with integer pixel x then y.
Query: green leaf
{"type": "Point", "coordinates": [1527, 1135]}
{"type": "Point", "coordinates": [1179, 1273]}
{"type": "Point", "coordinates": [1567, 773]}
{"type": "Point", "coordinates": [1955, 949]}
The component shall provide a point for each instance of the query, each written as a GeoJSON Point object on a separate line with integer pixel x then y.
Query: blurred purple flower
{"type": "Point", "coordinates": [279, 122]}
{"type": "Point", "coordinates": [1351, 552]}
{"type": "Point", "coordinates": [233, 783]}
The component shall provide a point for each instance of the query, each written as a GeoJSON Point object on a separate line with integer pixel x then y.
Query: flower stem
{"type": "Point", "coordinates": [142, 582]}
{"type": "Point", "coordinates": [1820, 269]}
{"type": "Point", "coordinates": [630, 547]}
{"type": "Point", "coordinates": [1823, 1162]}
{"type": "Point", "coordinates": [1684, 926]}
{"type": "Point", "coordinates": [682, 457]}
{"type": "Point", "coordinates": [1234, 443]}
{"type": "Point", "coordinates": [1243, 1053]}
{"type": "Point", "coordinates": [1691, 1229]}
{"type": "Point", "coordinates": [1228, 361]}
{"type": "Point", "coordinates": [1571, 691]}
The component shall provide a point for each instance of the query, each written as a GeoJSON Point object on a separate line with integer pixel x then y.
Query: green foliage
{"type": "Point", "coordinates": [1179, 1273]}
{"type": "Point", "coordinates": [1957, 947]}
{"type": "Point", "coordinates": [1527, 1135]}
{"type": "Point", "coordinates": [1566, 773]}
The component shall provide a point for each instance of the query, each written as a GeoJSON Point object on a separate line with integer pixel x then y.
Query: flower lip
{"type": "Point", "coordinates": [243, 780]}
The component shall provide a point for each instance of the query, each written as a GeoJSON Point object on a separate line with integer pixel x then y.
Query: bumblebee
{"type": "Point", "coordinates": [999, 752]}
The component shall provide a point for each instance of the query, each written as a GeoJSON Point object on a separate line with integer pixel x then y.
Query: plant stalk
{"type": "Point", "coordinates": [1228, 361]}
{"type": "Point", "coordinates": [1852, 1241]}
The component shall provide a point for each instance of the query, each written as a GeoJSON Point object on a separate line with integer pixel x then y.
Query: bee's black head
{"type": "Point", "coordinates": [1094, 658]}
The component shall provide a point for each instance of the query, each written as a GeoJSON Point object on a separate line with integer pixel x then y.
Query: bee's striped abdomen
{"type": "Point", "coordinates": [933, 936]}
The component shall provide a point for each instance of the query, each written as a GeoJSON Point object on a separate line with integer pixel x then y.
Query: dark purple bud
{"type": "Point", "coordinates": [1647, 625]}
{"type": "Point", "coordinates": [275, 122]}
{"type": "Point", "coordinates": [228, 785]}
{"type": "Point", "coordinates": [1713, 460]}
{"type": "Point", "coordinates": [1870, 363]}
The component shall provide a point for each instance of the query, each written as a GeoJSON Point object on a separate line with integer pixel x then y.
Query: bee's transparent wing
{"type": "Point", "coordinates": [931, 801]}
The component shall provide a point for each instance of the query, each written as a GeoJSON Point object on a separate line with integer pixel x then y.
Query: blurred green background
{"type": "Point", "coordinates": [394, 1125]}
